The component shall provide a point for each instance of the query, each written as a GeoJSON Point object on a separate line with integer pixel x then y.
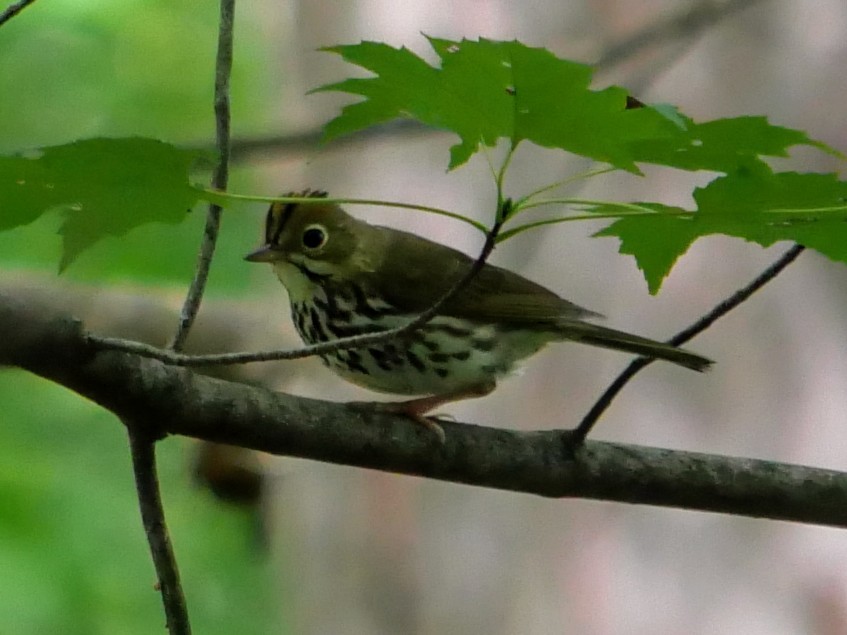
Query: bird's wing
{"type": "Point", "coordinates": [412, 277]}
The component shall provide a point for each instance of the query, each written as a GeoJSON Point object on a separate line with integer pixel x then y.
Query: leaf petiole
{"type": "Point", "coordinates": [224, 197]}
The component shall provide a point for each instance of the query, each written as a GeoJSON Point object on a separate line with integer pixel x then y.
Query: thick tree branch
{"type": "Point", "coordinates": [544, 463]}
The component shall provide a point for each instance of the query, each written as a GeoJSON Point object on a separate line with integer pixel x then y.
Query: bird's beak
{"type": "Point", "coordinates": [265, 253]}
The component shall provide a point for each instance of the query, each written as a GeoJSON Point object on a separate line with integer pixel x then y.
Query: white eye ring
{"type": "Point", "coordinates": [314, 237]}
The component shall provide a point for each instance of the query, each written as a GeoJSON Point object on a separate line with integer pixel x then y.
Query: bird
{"type": "Point", "coordinates": [347, 277]}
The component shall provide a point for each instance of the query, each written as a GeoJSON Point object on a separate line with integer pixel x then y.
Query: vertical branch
{"type": "Point", "coordinates": [142, 443]}
{"type": "Point", "coordinates": [220, 178]}
{"type": "Point", "coordinates": [143, 448]}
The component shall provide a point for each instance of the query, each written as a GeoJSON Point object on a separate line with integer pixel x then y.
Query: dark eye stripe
{"type": "Point", "coordinates": [279, 213]}
{"type": "Point", "coordinates": [275, 222]}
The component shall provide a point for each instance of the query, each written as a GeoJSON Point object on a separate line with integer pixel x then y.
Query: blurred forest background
{"type": "Point", "coordinates": [341, 550]}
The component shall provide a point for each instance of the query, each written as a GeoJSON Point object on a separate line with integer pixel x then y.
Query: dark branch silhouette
{"type": "Point", "coordinates": [14, 9]}
{"type": "Point", "coordinates": [721, 309]}
{"type": "Point", "coordinates": [54, 346]}
{"type": "Point", "coordinates": [143, 442]}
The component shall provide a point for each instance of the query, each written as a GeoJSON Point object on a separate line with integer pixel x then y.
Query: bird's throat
{"type": "Point", "coordinates": [300, 282]}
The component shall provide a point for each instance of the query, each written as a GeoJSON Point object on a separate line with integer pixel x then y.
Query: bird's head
{"type": "Point", "coordinates": [319, 239]}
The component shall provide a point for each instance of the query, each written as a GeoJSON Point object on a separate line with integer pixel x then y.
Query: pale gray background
{"type": "Point", "coordinates": [378, 553]}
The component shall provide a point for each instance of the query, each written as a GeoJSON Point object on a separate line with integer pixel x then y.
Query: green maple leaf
{"type": "Point", "coordinates": [104, 187]}
{"type": "Point", "coordinates": [488, 90]}
{"type": "Point", "coordinates": [723, 145]}
{"type": "Point", "coordinates": [485, 91]}
{"type": "Point", "coordinates": [754, 204]}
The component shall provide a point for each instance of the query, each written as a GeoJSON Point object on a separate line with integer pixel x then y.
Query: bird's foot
{"type": "Point", "coordinates": [416, 409]}
{"type": "Point", "coordinates": [410, 410]}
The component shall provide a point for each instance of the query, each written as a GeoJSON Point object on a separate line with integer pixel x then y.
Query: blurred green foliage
{"type": "Point", "coordinates": [74, 70]}
{"type": "Point", "coordinates": [104, 186]}
{"type": "Point", "coordinates": [72, 550]}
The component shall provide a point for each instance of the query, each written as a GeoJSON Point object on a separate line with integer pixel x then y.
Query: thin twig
{"type": "Point", "coordinates": [684, 24]}
{"type": "Point", "coordinates": [343, 343]}
{"type": "Point", "coordinates": [680, 338]}
{"type": "Point", "coordinates": [13, 10]}
{"type": "Point", "coordinates": [143, 448]}
{"type": "Point", "coordinates": [153, 517]}
{"type": "Point", "coordinates": [220, 178]}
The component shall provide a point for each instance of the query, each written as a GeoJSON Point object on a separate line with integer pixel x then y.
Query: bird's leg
{"type": "Point", "coordinates": [416, 409]}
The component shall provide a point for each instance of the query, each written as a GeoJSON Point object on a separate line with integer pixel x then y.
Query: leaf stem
{"type": "Point", "coordinates": [221, 196]}
{"type": "Point", "coordinates": [807, 210]}
{"type": "Point", "coordinates": [501, 178]}
{"type": "Point", "coordinates": [523, 203]}
{"type": "Point", "coordinates": [587, 202]}
{"type": "Point", "coordinates": [566, 219]}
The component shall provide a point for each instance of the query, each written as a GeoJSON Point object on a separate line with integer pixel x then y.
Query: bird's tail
{"type": "Point", "coordinates": [618, 340]}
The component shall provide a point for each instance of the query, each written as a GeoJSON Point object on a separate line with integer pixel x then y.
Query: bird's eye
{"type": "Point", "coordinates": [314, 237]}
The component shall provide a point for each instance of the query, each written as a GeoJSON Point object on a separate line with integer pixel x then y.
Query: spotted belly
{"type": "Point", "coordinates": [445, 355]}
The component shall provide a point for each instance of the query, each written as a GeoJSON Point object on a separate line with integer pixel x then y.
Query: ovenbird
{"type": "Point", "coordinates": [346, 277]}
